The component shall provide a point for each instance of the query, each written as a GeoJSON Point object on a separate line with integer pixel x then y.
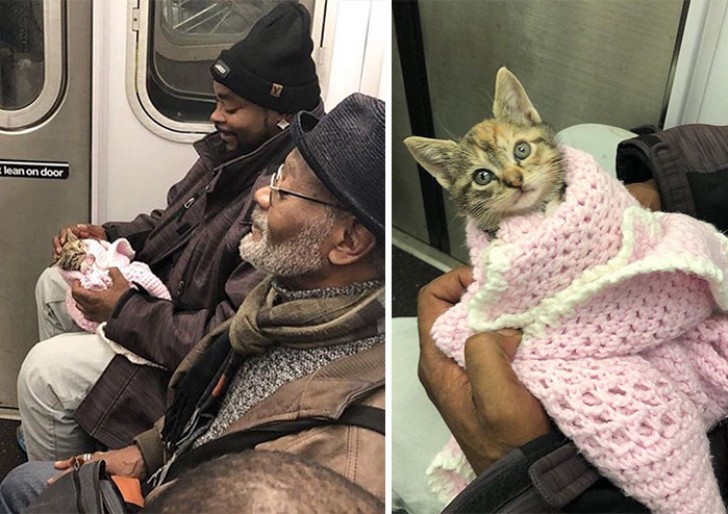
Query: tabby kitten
{"type": "Point", "coordinates": [73, 254]}
{"type": "Point", "coordinates": [504, 166]}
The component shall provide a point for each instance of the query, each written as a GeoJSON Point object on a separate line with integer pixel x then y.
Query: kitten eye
{"type": "Point", "coordinates": [522, 151]}
{"type": "Point", "coordinates": [483, 177]}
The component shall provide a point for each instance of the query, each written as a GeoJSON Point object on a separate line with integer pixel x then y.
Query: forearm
{"type": "Point", "coordinates": [154, 329]}
{"type": "Point", "coordinates": [159, 331]}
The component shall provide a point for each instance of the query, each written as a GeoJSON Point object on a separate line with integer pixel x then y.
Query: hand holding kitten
{"type": "Point", "coordinates": [80, 230]}
{"type": "Point", "coordinates": [487, 409]}
{"type": "Point", "coordinates": [98, 305]}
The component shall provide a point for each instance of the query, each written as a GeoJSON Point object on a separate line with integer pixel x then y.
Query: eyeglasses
{"type": "Point", "coordinates": [276, 177]}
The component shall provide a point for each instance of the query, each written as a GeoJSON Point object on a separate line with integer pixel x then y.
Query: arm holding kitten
{"type": "Point", "coordinates": [487, 409]}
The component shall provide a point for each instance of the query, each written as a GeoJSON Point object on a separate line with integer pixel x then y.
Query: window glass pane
{"type": "Point", "coordinates": [22, 67]}
{"type": "Point", "coordinates": [186, 36]}
{"type": "Point", "coordinates": [190, 17]}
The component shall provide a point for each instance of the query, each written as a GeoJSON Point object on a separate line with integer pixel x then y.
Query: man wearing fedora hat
{"type": "Point", "coordinates": [303, 357]}
{"type": "Point", "coordinates": [73, 390]}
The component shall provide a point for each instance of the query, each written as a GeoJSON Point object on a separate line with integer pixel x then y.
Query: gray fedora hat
{"type": "Point", "coordinates": [346, 151]}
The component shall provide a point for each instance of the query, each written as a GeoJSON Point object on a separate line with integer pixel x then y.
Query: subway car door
{"type": "Point", "coordinates": [45, 154]}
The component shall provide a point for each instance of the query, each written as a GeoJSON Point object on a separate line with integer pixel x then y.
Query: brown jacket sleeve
{"type": "Point", "coordinates": [151, 446]}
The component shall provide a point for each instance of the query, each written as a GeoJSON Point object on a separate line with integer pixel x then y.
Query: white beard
{"type": "Point", "coordinates": [295, 257]}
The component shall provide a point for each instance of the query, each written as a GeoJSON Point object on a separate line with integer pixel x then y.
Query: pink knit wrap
{"type": "Point", "coordinates": [94, 274]}
{"type": "Point", "coordinates": [624, 338]}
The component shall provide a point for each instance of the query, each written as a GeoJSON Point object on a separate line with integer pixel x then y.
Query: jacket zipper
{"type": "Point", "coordinates": [185, 207]}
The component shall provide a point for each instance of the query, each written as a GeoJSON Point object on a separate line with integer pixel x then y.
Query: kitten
{"type": "Point", "coordinates": [504, 166]}
{"type": "Point", "coordinates": [73, 254]}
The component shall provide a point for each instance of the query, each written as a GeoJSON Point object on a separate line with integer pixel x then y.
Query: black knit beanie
{"type": "Point", "coordinates": [272, 66]}
{"type": "Point", "coordinates": [346, 149]}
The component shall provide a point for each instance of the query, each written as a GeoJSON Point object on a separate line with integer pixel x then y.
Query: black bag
{"type": "Point", "coordinates": [86, 489]}
{"type": "Point", "coordinates": [689, 164]}
{"type": "Point", "coordinates": [543, 476]}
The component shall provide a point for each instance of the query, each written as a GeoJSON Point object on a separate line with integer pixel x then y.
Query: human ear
{"type": "Point", "coordinates": [352, 242]}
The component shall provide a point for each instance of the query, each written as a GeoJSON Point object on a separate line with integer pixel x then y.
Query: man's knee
{"type": "Point", "coordinates": [24, 483]}
{"type": "Point", "coordinates": [35, 372]}
{"type": "Point", "coordinates": [53, 365]}
{"type": "Point", "coordinates": [62, 368]}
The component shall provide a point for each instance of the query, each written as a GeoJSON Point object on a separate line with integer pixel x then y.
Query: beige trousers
{"type": "Point", "coordinates": [56, 376]}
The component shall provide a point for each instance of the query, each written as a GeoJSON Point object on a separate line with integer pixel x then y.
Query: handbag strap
{"type": "Point", "coordinates": [541, 476]}
{"type": "Point", "coordinates": [562, 475]}
{"type": "Point", "coordinates": [97, 493]}
{"type": "Point", "coordinates": [364, 416]}
{"type": "Point", "coordinates": [89, 491]}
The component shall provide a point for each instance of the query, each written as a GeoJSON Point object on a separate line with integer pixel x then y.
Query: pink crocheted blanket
{"type": "Point", "coordinates": [94, 274]}
{"type": "Point", "coordinates": [625, 340]}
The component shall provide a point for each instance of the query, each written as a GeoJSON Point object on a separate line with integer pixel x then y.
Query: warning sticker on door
{"type": "Point", "coordinates": [34, 169]}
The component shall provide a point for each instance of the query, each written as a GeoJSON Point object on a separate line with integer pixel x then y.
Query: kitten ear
{"type": "Point", "coordinates": [511, 101]}
{"type": "Point", "coordinates": [71, 237]}
{"type": "Point", "coordinates": [433, 155]}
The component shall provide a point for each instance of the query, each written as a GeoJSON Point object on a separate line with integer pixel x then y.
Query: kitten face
{"type": "Point", "coordinates": [73, 254]}
{"type": "Point", "coordinates": [499, 170]}
{"type": "Point", "coordinates": [504, 166]}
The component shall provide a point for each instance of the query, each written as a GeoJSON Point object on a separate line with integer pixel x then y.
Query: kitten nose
{"type": "Point", "coordinates": [513, 178]}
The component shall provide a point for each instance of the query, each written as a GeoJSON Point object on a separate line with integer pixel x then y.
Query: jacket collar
{"type": "Point", "coordinates": [212, 148]}
{"type": "Point", "coordinates": [324, 393]}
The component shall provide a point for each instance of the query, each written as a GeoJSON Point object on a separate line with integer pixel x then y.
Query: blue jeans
{"type": "Point", "coordinates": [23, 484]}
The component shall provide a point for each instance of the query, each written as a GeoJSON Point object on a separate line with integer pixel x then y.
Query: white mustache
{"type": "Point", "coordinates": [260, 220]}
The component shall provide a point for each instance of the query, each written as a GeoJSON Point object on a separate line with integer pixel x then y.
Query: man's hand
{"type": "Point", "coordinates": [487, 409]}
{"type": "Point", "coordinates": [506, 411]}
{"type": "Point", "coordinates": [646, 193]}
{"type": "Point", "coordinates": [127, 462]}
{"type": "Point", "coordinates": [98, 305]}
{"type": "Point", "coordinates": [81, 230]}
{"type": "Point", "coordinates": [434, 299]}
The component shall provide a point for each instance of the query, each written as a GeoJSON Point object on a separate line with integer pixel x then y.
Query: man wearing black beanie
{"type": "Point", "coordinates": [191, 245]}
{"type": "Point", "coordinates": [266, 78]}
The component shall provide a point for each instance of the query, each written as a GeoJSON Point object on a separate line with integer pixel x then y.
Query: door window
{"type": "Point", "coordinates": [31, 61]}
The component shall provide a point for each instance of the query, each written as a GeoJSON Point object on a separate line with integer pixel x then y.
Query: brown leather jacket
{"type": "Point", "coordinates": [356, 453]}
